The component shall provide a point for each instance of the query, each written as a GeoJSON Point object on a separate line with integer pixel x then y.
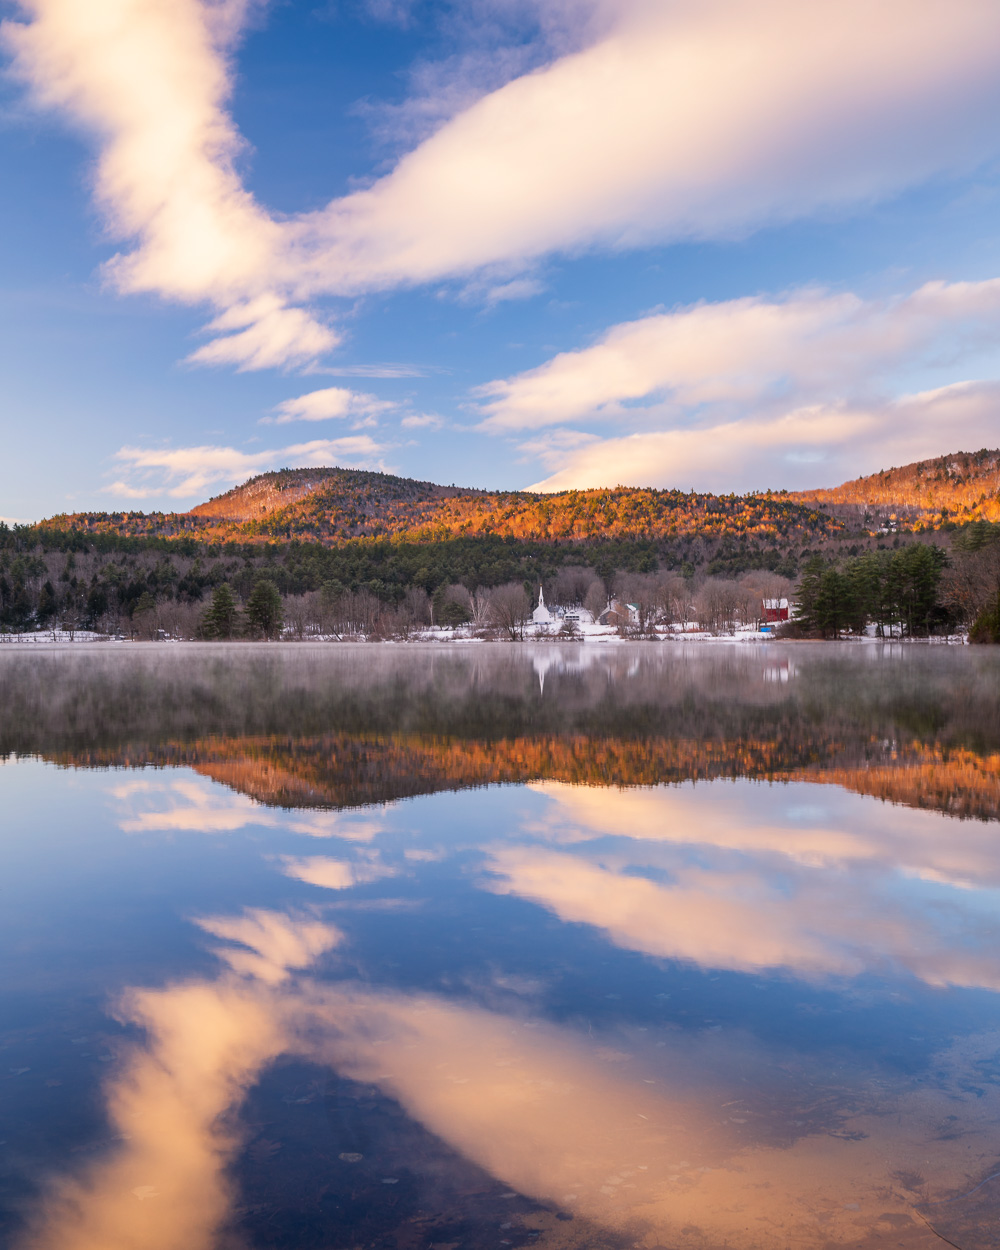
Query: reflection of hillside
{"type": "Point", "coordinates": [960, 783]}
{"type": "Point", "coordinates": [351, 771]}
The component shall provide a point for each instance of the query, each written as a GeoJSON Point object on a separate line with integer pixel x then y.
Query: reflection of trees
{"type": "Point", "coordinates": [342, 771]}
{"type": "Point", "coordinates": [341, 726]}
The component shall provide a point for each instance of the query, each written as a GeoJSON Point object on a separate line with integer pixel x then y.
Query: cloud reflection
{"type": "Point", "coordinates": [269, 945]}
{"type": "Point", "coordinates": [745, 877]}
{"type": "Point", "coordinates": [693, 1137]}
{"type": "Point", "coordinates": [185, 805]}
{"type": "Point", "coordinates": [193, 804]}
{"type": "Point", "coordinates": [335, 874]}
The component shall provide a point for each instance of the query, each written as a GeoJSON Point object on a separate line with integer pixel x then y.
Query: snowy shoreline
{"type": "Point", "coordinates": [588, 635]}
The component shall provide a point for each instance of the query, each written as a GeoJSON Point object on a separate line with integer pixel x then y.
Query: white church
{"type": "Point", "coordinates": [541, 614]}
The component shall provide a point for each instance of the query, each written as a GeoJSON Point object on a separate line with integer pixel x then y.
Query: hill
{"type": "Point", "coordinates": [368, 553]}
{"type": "Point", "coordinates": [960, 487]}
{"type": "Point", "coordinates": [333, 506]}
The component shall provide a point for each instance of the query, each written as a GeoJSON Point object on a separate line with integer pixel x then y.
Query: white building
{"type": "Point", "coordinates": [541, 614]}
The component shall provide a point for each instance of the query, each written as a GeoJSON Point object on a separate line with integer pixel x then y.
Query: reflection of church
{"type": "Point", "coordinates": [541, 614]}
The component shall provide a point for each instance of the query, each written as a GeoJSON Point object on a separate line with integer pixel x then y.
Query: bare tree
{"type": "Point", "coordinates": [509, 609]}
{"type": "Point", "coordinates": [972, 582]}
{"type": "Point", "coordinates": [676, 592]}
{"type": "Point", "coordinates": [180, 619]}
{"type": "Point", "coordinates": [300, 614]}
{"type": "Point", "coordinates": [717, 605]}
{"type": "Point", "coordinates": [595, 598]}
{"type": "Point", "coordinates": [417, 605]}
{"type": "Point", "coordinates": [570, 585]}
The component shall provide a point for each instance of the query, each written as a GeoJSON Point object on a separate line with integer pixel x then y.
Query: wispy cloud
{"type": "Point", "coordinates": [745, 355]}
{"type": "Point", "coordinates": [683, 121]}
{"type": "Point", "coordinates": [661, 122]}
{"type": "Point", "coordinates": [184, 472]}
{"type": "Point", "coordinates": [333, 401]}
{"type": "Point", "coordinates": [752, 392]}
{"type": "Point", "coordinates": [422, 421]}
{"type": "Point", "coordinates": [189, 805]}
{"type": "Point", "coordinates": [269, 335]}
{"type": "Point", "coordinates": [813, 446]}
{"type": "Point", "coordinates": [390, 369]}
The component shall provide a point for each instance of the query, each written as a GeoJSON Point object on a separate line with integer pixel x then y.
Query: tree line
{"type": "Point", "coordinates": [913, 591]}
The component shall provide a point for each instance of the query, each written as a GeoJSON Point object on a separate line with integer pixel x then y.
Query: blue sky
{"type": "Point", "coordinates": [727, 244]}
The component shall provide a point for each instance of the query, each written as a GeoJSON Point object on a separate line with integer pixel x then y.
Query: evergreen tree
{"type": "Point", "coordinates": [834, 604]}
{"type": "Point", "coordinates": [915, 575]}
{"type": "Point", "coordinates": [221, 618]}
{"type": "Point", "coordinates": [263, 612]}
{"type": "Point", "coordinates": [47, 603]}
{"type": "Point", "coordinates": [808, 595]}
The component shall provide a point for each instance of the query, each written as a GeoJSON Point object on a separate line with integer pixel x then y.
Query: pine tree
{"type": "Point", "coordinates": [222, 616]}
{"type": "Point", "coordinates": [808, 594]}
{"type": "Point", "coordinates": [263, 613]}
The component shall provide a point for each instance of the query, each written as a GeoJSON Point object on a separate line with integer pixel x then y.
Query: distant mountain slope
{"type": "Point", "coordinates": [336, 505]}
{"type": "Point", "coordinates": [959, 487]}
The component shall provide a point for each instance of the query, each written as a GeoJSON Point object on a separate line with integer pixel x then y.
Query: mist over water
{"type": "Point", "coordinates": [428, 946]}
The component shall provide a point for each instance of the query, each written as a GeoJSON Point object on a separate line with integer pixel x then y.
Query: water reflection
{"type": "Point", "coordinates": [715, 878]}
{"type": "Point", "coordinates": [689, 1141]}
{"type": "Point", "coordinates": [717, 966]}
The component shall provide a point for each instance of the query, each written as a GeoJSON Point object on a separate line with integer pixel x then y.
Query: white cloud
{"type": "Point", "coordinates": [389, 369]}
{"type": "Point", "coordinates": [737, 876]}
{"type": "Point", "coordinates": [814, 446]}
{"type": "Point", "coordinates": [698, 119]}
{"type": "Point", "coordinates": [333, 401]}
{"type": "Point", "coordinates": [422, 421]}
{"type": "Point", "coordinates": [752, 392]}
{"type": "Point", "coordinates": [748, 353]}
{"type": "Point", "coordinates": [151, 80]}
{"type": "Point", "coordinates": [325, 824]}
{"type": "Point", "coordinates": [183, 472]}
{"type": "Point", "coordinates": [273, 335]}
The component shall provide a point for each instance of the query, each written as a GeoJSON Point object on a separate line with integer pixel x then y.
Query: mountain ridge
{"type": "Point", "coordinates": [333, 505]}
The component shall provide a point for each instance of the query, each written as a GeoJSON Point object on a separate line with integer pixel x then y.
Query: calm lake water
{"type": "Point", "coordinates": [327, 947]}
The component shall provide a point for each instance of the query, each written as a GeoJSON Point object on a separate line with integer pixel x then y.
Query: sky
{"type": "Point", "coordinates": [715, 244]}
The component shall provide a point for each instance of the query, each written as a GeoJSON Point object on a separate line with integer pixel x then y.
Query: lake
{"type": "Point", "coordinates": [453, 947]}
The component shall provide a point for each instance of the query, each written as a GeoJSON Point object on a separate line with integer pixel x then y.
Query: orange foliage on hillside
{"type": "Point", "coordinates": [337, 505]}
{"type": "Point", "coordinates": [959, 487]}
{"type": "Point", "coordinates": [349, 771]}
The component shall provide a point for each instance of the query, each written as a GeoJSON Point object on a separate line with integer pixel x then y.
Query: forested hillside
{"type": "Point", "coordinates": [357, 552]}
{"type": "Point", "coordinates": [333, 506]}
{"type": "Point", "coordinates": [961, 487]}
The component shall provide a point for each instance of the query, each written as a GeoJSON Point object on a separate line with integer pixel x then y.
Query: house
{"type": "Point", "coordinates": [773, 610]}
{"type": "Point", "coordinates": [617, 614]}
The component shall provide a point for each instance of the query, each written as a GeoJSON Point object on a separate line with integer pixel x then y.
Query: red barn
{"type": "Point", "coordinates": [774, 610]}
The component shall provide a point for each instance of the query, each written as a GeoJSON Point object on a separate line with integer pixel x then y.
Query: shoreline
{"type": "Point", "coordinates": [25, 642]}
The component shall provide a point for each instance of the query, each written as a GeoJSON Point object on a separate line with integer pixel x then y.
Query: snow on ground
{"type": "Point", "coordinates": [586, 633]}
